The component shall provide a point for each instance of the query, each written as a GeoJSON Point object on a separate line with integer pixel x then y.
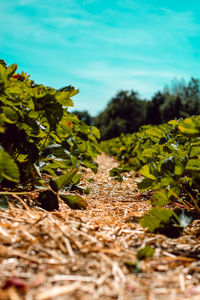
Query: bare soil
{"type": "Point", "coordinates": [83, 254]}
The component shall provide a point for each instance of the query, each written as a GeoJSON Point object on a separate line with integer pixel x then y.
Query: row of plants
{"type": "Point", "coordinates": [42, 144]}
{"type": "Point", "coordinates": [168, 158]}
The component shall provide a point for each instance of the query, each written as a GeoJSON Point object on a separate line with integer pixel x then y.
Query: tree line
{"type": "Point", "coordinates": [127, 111]}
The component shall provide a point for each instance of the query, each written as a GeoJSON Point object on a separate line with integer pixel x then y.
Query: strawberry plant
{"type": "Point", "coordinates": [39, 138]}
{"type": "Point", "coordinates": [167, 156]}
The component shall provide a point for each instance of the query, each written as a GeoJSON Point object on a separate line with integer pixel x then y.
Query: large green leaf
{"type": "Point", "coordinates": [148, 153]}
{"type": "Point", "coordinates": [146, 171]}
{"type": "Point", "coordinates": [74, 201]}
{"type": "Point", "coordinates": [160, 198]}
{"type": "Point", "coordinates": [8, 168]}
{"type": "Point", "coordinates": [95, 132]}
{"type": "Point", "coordinates": [162, 220]}
{"type": "Point", "coordinates": [10, 114]}
{"type": "Point", "coordinates": [193, 165]}
{"type": "Point", "coordinates": [62, 180]}
{"type": "Point", "coordinates": [155, 132]}
{"type": "Point", "coordinates": [63, 97]}
{"type": "Point", "coordinates": [145, 184]}
{"type": "Point", "coordinates": [195, 151]}
{"type": "Point", "coordinates": [165, 181]}
{"type": "Point", "coordinates": [190, 127]}
{"type": "Point", "coordinates": [156, 218]}
{"type": "Point", "coordinates": [179, 166]}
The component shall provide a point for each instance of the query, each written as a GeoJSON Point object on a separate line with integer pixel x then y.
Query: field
{"type": "Point", "coordinates": [90, 254]}
{"type": "Point", "coordinates": [81, 219]}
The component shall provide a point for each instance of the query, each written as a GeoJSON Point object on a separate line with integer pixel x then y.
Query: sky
{"type": "Point", "coordinates": [102, 46]}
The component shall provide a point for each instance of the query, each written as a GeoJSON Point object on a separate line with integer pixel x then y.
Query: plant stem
{"type": "Point", "coordinates": [188, 205]}
{"type": "Point", "coordinates": [15, 193]}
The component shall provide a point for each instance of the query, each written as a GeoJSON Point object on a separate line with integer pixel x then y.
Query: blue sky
{"type": "Point", "coordinates": [102, 46]}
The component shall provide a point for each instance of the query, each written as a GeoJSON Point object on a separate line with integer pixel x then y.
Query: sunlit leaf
{"type": "Point", "coordinates": [62, 180]}
{"type": "Point", "coordinates": [11, 70]}
{"type": "Point", "coordinates": [162, 220]}
{"type": "Point", "coordinates": [190, 127]}
{"type": "Point", "coordinates": [160, 198]}
{"type": "Point", "coordinates": [74, 201]}
{"type": "Point", "coordinates": [193, 165]}
{"type": "Point", "coordinates": [146, 171]}
{"type": "Point", "coordinates": [8, 168]}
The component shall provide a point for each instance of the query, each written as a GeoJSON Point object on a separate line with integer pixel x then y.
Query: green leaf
{"type": "Point", "coordinates": [155, 218]}
{"type": "Point", "coordinates": [8, 168]}
{"type": "Point", "coordinates": [155, 132]}
{"type": "Point", "coordinates": [74, 201]}
{"type": "Point", "coordinates": [193, 165]}
{"type": "Point", "coordinates": [162, 220]}
{"type": "Point", "coordinates": [160, 198]}
{"type": "Point", "coordinates": [10, 114]}
{"type": "Point", "coordinates": [166, 181]}
{"type": "Point", "coordinates": [145, 252]}
{"type": "Point", "coordinates": [63, 97]}
{"type": "Point", "coordinates": [11, 70]}
{"type": "Point", "coordinates": [173, 123]}
{"type": "Point", "coordinates": [13, 90]}
{"type": "Point", "coordinates": [148, 153]}
{"type": "Point", "coordinates": [61, 181]}
{"type": "Point", "coordinates": [145, 184]}
{"type": "Point", "coordinates": [4, 202]}
{"type": "Point", "coordinates": [195, 151]}
{"type": "Point", "coordinates": [76, 179]}
{"type": "Point", "coordinates": [48, 200]}
{"type": "Point", "coordinates": [179, 167]}
{"type": "Point", "coordinates": [95, 132]}
{"type": "Point", "coordinates": [146, 171]}
{"type": "Point", "coordinates": [190, 127]}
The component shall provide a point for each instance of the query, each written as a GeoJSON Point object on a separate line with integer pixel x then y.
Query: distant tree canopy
{"type": "Point", "coordinates": [126, 112]}
{"type": "Point", "coordinates": [164, 107]}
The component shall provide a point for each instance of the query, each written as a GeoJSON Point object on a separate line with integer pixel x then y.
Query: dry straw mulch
{"type": "Point", "coordinates": [80, 254]}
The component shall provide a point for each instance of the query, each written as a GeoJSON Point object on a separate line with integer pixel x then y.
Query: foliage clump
{"type": "Point", "coordinates": [39, 137]}
{"type": "Point", "coordinates": [167, 156]}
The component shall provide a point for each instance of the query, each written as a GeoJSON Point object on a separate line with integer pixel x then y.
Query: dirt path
{"type": "Point", "coordinates": [81, 255]}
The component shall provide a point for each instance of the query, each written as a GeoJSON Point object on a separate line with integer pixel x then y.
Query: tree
{"type": "Point", "coordinates": [125, 113]}
{"type": "Point", "coordinates": [192, 97]}
{"type": "Point", "coordinates": [171, 108]}
{"type": "Point", "coordinates": [153, 109]}
{"type": "Point", "coordinates": [189, 93]}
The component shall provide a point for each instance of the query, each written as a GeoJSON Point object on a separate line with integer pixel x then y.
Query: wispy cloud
{"type": "Point", "coordinates": [101, 46]}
